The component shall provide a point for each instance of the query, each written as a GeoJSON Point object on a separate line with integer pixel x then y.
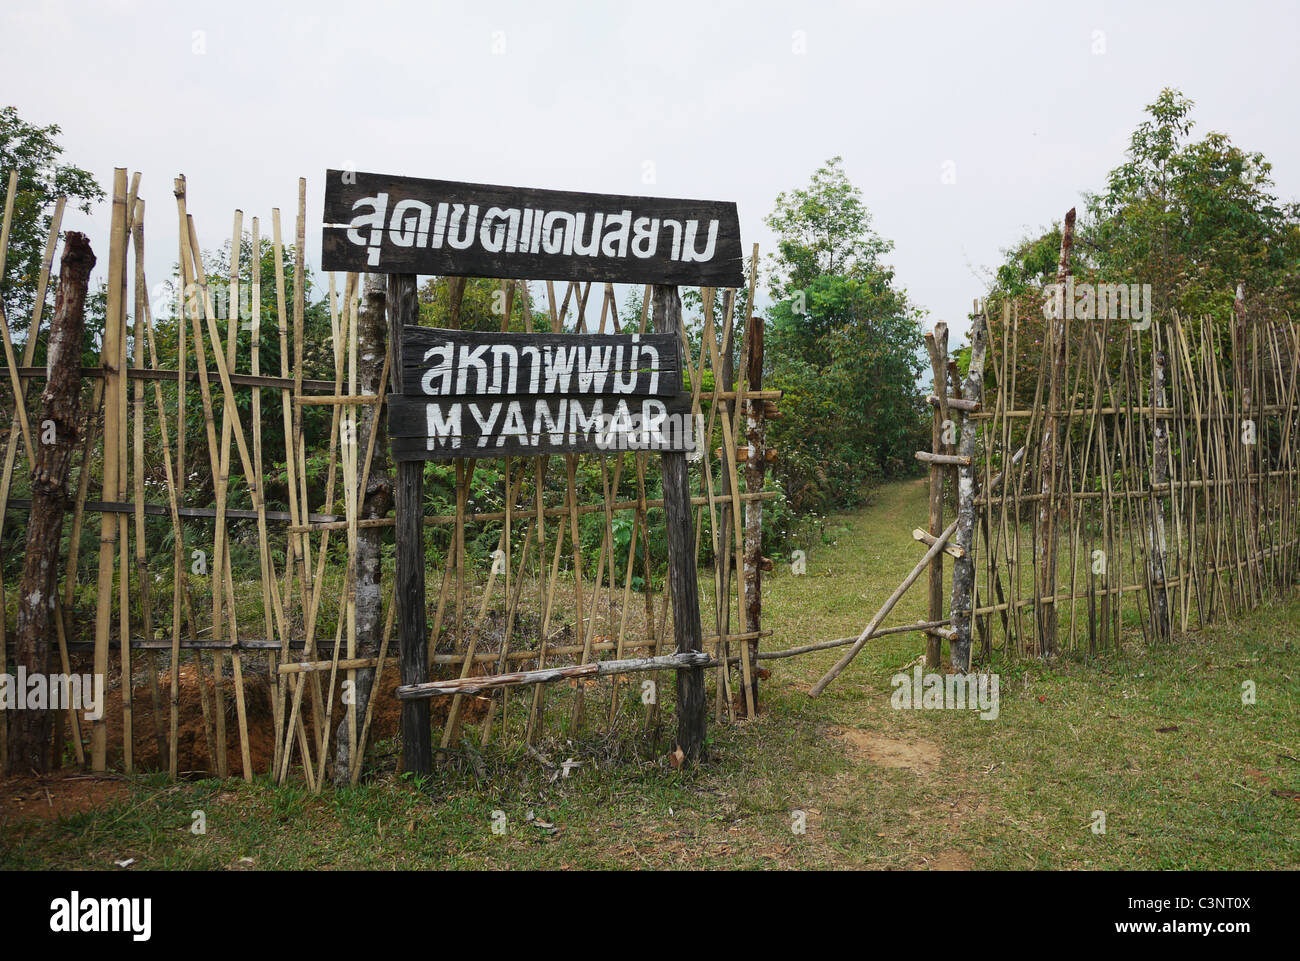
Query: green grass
{"type": "Point", "coordinates": [1072, 738]}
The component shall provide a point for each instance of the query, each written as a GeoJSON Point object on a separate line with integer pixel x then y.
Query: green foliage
{"type": "Point", "coordinates": [1191, 218]}
{"type": "Point", "coordinates": [824, 229]}
{"type": "Point", "coordinates": [1194, 219]}
{"type": "Point", "coordinates": [482, 305]}
{"type": "Point", "coordinates": [34, 152]}
{"type": "Point", "coordinates": [844, 345]}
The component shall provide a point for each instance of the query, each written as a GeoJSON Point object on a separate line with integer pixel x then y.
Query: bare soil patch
{"type": "Point", "coordinates": [950, 860]}
{"type": "Point", "coordinates": [920, 756]}
{"type": "Point", "coordinates": [50, 798]}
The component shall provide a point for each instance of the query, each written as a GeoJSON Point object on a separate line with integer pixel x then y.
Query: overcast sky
{"type": "Point", "coordinates": [1029, 104]}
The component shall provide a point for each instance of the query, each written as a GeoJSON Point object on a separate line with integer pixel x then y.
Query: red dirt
{"type": "Point", "coordinates": [48, 798]}
{"type": "Point", "coordinates": [192, 743]}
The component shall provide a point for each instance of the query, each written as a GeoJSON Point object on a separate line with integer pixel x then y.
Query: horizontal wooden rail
{"type": "Point", "coordinates": [928, 539]}
{"type": "Point", "coordinates": [436, 519]}
{"type": "Point", "coordinates": [484, 657]}
{"type": "Point", "coordinates": [472, 685]}
{"type": "Point", "coordinates": [325, 400]}
{"type": "Point", "coordinates": [951, 460]}
{"type": "Point", "coordinates": [1143, 492]}
{"type": "Point", "coordinates": [162, 510]}
{"type": "Point", "coordinates": [239, 380]}
{"type": "Point", "coordinates": [196, 644]}
{"type": "Point", "coordinates": [315, 386]}
{"type": "Point", "coordinates": [1145, 411]}
{"type": "Point", "coordinates": [846, 641]}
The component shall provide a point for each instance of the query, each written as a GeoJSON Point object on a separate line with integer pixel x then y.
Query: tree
{"type": "Point", "coordinates": [376, 501]}
{"type": "Point", "coordinates": [823, 229]}
{"type": "Point", "coordinates": [480, 304]}
{"type": "Point", "coordinates": [845, 346]}
{"type": "Point", "coordinates": [34, 152]}
{"type": "Point", "coordinates": [60, 408]}
{"type": "Point", "coordinates": [1193, 219]}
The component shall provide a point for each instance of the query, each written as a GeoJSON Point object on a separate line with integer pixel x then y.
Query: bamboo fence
{"type": "Point", "coordinates": [1169, 500]}
{"type": "Point", "coordinates": [161, 613]}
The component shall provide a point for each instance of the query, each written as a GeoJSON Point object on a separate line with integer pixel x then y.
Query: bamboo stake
{"type": "Point", "coordinates": [141, 557]}
{"type": "Point", "coordinates": [123, 477]}
{"type": "Point", "coordinates": [189, 293]}
{"type": "Point", "coordinates": [178, 544]}
{"type": "Point", "coordinates": [108, 529]}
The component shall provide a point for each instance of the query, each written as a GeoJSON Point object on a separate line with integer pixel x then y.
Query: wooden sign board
{"type": "Point", "coordinates": [473, 394]}
{"type": "Point", "coordinates": [407, 225]}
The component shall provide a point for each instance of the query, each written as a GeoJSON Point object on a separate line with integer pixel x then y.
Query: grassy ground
{"type": "Point", "coordinates": [1159, 740]}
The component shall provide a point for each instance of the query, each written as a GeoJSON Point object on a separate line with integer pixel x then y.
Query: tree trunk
{"type": "Point", "coordinates": [54, 435]}
{"type": "Point", "coordinates": [937, 346]}
{"type": "Point", "coordinates": [376, 502]}
{"type": "Point", "coordinates": [963, 568]}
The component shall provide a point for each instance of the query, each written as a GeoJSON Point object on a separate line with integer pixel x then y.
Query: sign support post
{"type": "Point", "coordinates": [408, 508]}
{"type": "Point", "coordinates": [458, 395]}
{"type": "Point", "coordinates": [691, 713]}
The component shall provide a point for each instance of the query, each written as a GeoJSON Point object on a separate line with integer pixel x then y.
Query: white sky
{"type": "Point", "coordinates": [712, 94]}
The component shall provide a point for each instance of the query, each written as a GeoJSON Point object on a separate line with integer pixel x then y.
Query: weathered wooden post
{"type": "Point", "coordinates": [54, 437]}
{"type": "Point", "coordinates": [755, 470]}
{"type": "Point", "coordinates": [682, 580]}
{"type": "Point", "coordinates": [937, 345]}
{"type": "Point", "coordinates": [408, 505]}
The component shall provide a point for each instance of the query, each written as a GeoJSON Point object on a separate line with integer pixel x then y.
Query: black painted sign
{"type": "Point", "coordinates": [473, 394]}
{"type": "Point", "coordinates": [383, 224]}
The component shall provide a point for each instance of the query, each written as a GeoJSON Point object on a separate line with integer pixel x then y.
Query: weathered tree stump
{"type": "Point", "coordinates": [54, 436]}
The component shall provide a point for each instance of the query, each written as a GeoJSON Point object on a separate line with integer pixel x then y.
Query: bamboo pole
{"type": "Point", "coordinates": [143, 580]}
{"type": "Point", "coordinates": [108, 529]}
{"type": "Point", "coordinates": [178, 543]}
